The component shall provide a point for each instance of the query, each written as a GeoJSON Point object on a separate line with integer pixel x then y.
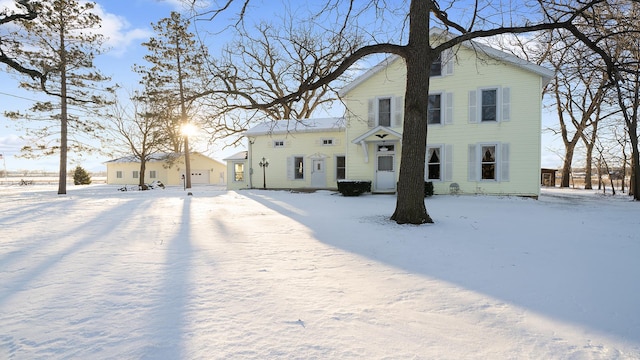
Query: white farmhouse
{"type": "Point", "coordinates": [484, 130]}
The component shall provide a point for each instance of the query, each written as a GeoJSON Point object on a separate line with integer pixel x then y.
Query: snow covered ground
{"type": "Point", "coordinates": [104, 274]}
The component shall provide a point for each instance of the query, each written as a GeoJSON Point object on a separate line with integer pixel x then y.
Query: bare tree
{"type": "Point", "coordinates": [484, 19]}
{"type": "Point", "coordinates": [266, 64]}
{"type": "Point", "coordinates": [138, 130]}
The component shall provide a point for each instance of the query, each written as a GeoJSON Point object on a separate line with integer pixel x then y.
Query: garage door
{"type": "Point", "coordinates": [199, 176]}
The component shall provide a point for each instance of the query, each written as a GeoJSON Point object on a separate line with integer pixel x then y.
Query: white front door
{"type": "Point", "coordinates": [318, 177]}
{"type": "Point", "coordinates": [385, 173]}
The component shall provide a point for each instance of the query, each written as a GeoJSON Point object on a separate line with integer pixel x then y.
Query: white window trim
{"type": "Point", "coordinates": [279, 143]}
{"type": "Point", "coordinates": [446, 108]}
{"type": "Point", "coordinates": [244, 172]}
{"type": "Point", "coordinates": [503, 158]}
{"type": "Point", "coordinates": [397, 106]}
{"type": "Point", "coordinates": [335, 161]}
{"type": "Point", "coordinates": [446, 163]}
{"type": "Point", "coordinates": [327, 141]}
{"type": "Point", "coordinates": [503, 104]}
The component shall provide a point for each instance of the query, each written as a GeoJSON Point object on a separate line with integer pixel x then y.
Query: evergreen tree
{"type": "Point", "coordinates": [172, 80]}
{"type": "Point", "coordinates": [62, 44]}
{"type": "Point", "coordinates": [81, 176]}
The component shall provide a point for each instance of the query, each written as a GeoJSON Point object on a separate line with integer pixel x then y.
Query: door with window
{"type": "Point", "coordinates": [385, 169]}
{"type": "Point", "coordinates": [318, 177]}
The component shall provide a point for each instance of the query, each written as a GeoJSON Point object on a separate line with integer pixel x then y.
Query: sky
{"type": "Point", "coordinates": [261, 274]}
{"type": "Point", "coordinates": [127, 24]}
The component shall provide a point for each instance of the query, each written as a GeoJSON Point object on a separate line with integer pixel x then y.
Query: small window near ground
{"type": "Point", "coordinates": [341, 167]}
{"type": "Point", "coordinates": [488, 162]}
{"type": "Point", "coordinates": [238, 172]}
{"type": "Point", "coordinates": [434, 164]}
{"type": "Point", "coordinates": [298, 163]}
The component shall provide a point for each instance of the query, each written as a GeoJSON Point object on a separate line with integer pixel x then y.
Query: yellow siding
{"type": "Point", "coordinates": [169, 175]}
{"type": "Point", "coordinates": [307, 145]}
{"type": "Point", "coordinates": [522, 132]}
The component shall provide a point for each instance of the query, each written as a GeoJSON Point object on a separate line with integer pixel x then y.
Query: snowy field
{"type": "Point", "coordinates": [104, 274]}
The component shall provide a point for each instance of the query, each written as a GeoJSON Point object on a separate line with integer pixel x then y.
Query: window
{"type": "Point", "coordinates": [327, 142]}
{"type": "Point", "coordinates": [434, 109]}
{"type": "Point", "coordinates": [436, 67]}
{"type": "Point", "coordinates": [152, 174]}
{"type": "Point", "coordinates": [341, 167]}
{"type": "Point", "coordinates": [434, 164]}
{"type": "Point", "coordinates": [385, 163]}
{"type": "Point", "coordinates": [298, 166]}
{"type": "Point", "coordinates": [488, 164]}
{"type": "Point", "coordinates": [119, 174]}
{"type": "Point", "coordinates": [238, 172]}
{"type": "Point", "coordinates": [384, 112]}
{"type": "Point", "coordinates": [278, 143]}
{"type": "Point", "coordinates": [489, 103]}
{"type": "Point", "coordinates": [136, 174]}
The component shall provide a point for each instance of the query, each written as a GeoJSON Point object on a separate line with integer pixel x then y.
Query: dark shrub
{"type": "Point", "coordinates": [353, 187]}
{"type": "Point", "coordinates": [428, 188]}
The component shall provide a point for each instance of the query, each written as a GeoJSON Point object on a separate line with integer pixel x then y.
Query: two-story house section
{"type": "Point", "coordinates": [291, 154]}
{"type": "Point", "coordinates": [484, 122]}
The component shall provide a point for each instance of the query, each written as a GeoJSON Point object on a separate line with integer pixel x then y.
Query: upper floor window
{"type": "Point", "coordinates": [436, 67]}
{"type": "Point", "coordinates": [384, 112]}
{"type": "Point", "coordinates": [278, 143]}
{"type": "Point", "coordinates": [327, 141]}
{"type": "Point", "coordinates": [489, 105]}
{"type": "Point", "coordinates": [434, 109]}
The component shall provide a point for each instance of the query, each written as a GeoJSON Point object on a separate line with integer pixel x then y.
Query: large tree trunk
{"type": "Point", "coordinates": [143, 169]}
{"type": "Point", "coordinates": [410, 207]}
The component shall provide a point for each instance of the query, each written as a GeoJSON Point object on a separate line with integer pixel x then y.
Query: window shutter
{"type": "Point", "coordinates": [504, 163]}
{"type": "Point", "coordinates": [290, 170]}
{"type": "Point", "coordinates": [472, 163]}
{"type": "Point", "coordinates": [506, 104]}
{"type": "Point", "coordinates": [397, 112]}
{"type": "Point", "coordinates": [447, 62]}
{"type": "Point", "coordinates": [473, 111]}
{"type": "Point", "coordinates": [448, 163]}
{"type": "Point", "coordinates": [448, 112]}
{"type": "Point", "coordinates": [371, 120]}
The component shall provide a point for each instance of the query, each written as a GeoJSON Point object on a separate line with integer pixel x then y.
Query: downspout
{"type": "Point", "coordinates": [250, 161]}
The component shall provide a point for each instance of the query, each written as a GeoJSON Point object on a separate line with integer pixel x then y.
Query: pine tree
{"type": "Point", "coordinates": [81, 176]}
{"type": "Point", "coordinates": [174, 77]}
{"type": "Point", "coordinates": [62, 44]}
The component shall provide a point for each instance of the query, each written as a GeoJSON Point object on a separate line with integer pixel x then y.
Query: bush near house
{"type": "Point", "coordinates": [81, 176]}
{"type": "Point", "coordinates": [353, 187]}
